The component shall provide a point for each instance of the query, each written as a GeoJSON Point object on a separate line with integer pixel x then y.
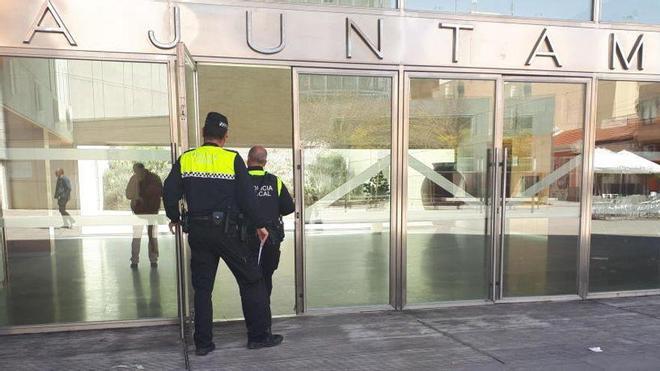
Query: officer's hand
{"type": "Point", "coordinates": [173, 226]}
{"type": "Point", "coordinates": [262, 233]}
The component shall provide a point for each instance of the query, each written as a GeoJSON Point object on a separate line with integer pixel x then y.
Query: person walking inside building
{"type": "Point", "coordinates": [217, 190]}
{"type": "Point", "coordinates": [144, 189]}
{"type": "Point", "coordinates": [274, 201]}
{"type": "Point", "coordinates": [63, 195]}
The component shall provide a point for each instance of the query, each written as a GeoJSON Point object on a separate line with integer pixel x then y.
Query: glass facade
{"type": "Point", "coordinates": [632, 11]}
{"type": "Point", "coordinates": [404, 193]}
{"type": "Point", "coordinates": [625, 247]}
{"type": "Point", "coordinates": [79, 207]}
{"type": "Point", "coordinates": [355, 3]}
{"type": "Point", "coordinates": [579, 10]}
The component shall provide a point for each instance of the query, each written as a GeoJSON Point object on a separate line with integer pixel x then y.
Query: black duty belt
{"type": "Point", "coordinates": [221, 219]}
{"type": "Point", "coordinates": [216, 217]}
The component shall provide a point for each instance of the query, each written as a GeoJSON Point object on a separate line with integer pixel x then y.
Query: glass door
{"type": "Point", "coordinates": [449, 183]}
{"type": "Point", "coordinates": [4, 274]}
{"type": "Point", "coordinates": [84, 147]}
{"type": "Point", "coordinates": [259, 109]}
{"type": "Point", "coordinates": [542, 142]}
{"type": "Point", "coordinates": [188, 135]}
{"type": "Point", "coordinates": [344, 123]}
{"type": "Point", "coordinates": [493, 187]}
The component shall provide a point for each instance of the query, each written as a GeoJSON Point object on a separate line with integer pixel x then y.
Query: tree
{"type": "Point", "coordinates": [328, 172]}
{"type": "Point", "coordinates": [376, 189]}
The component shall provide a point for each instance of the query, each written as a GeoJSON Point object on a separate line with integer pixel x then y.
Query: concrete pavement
{"type": "Point", "coordinates": [529, 336]}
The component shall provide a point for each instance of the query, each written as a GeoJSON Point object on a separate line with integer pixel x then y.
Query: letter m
{"type": "Point", "coordinates": [616, 52]}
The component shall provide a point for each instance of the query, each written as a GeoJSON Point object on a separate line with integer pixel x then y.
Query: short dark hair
{"type": "Point", "coordinates": [215, 126]}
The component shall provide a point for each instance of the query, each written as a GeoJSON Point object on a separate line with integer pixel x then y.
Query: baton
{"type": "Point", "coordinates": [261, 247]}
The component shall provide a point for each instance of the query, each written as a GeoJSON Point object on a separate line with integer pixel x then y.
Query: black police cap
{"type": "Point", "coordinates": [215, 126]}
{"type": "Point", "coordinates": [216, 120]}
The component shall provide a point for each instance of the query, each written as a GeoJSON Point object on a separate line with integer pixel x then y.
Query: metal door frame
{"type": "Point", "coordinates": [184, 284]}
{"type": "Point", "coordinates": [586, 178]}
{"type": "Point", "coordinates": [495, 254]}
{"type": "Point", "coordinates": [496, 79]}
{"type": "Point", "coordinates": [169, 62]}
{"type": "Point", "coordinates": [395, 189]}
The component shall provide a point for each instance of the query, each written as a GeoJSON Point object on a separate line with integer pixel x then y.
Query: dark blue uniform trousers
{"type": "Point", "coordinates": [208, 243]}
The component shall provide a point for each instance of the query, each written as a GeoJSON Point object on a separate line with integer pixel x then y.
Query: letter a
{"type": "Point", "coordinates": [48, 7]}
{"type": "Point", "coordinates": [536, 52]}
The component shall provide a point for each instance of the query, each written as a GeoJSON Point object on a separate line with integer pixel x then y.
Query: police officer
{"type": "Point", "coordinates": [274, 201]}
{"type": "Point", "coordinates": [216, 187]}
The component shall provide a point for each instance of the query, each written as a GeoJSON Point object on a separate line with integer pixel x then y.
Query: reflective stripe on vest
{"type": "Point", "coordinates": [262, 173]}
{"type": "Point", "coordinates": [208, 162]}
{"type": "Point", "coordinates": [279, 186]}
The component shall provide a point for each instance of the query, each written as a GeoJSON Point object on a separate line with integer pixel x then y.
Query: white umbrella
{"type": "Point", "coordinates": [636, 164]}
{"type": "Point", "coordinates": [623, 162]}
{"type": "Point", "coordinates": [606, 161]}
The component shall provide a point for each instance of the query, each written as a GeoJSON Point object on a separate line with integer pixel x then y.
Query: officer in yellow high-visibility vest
{"type": "Point", "coordinates": [216, 187]}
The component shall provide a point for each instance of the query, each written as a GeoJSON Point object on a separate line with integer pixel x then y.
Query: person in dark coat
{"type": "Point", "coordinates": [145, 190]}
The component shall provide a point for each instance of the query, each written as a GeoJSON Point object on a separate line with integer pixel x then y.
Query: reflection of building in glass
{"type": "Point", "coordinates": [92, 119]}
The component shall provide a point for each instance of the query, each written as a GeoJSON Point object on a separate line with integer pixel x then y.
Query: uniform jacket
{"type": "Point", "coordinates": [273, 198]}
{"type": "Point", "coordinates": [210, 178]}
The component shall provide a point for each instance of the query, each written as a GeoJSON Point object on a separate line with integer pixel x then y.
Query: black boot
{"type": "Point", "coordinates": [269, 341]}
{"type": "Point", "coordinates": [206, 350]}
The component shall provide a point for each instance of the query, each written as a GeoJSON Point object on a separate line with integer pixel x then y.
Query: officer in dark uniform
{"type": "Point", "coordinates": [274, 201]}
{"type": "Point", "coordinates": [218, 192]}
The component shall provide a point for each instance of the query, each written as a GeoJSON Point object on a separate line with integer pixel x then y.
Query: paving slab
{"type": "Point", "coordinates": [146, 348]}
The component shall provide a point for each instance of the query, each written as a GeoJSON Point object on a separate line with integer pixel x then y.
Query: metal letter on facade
{"type": "Point", "coordinates": [177, 33]}
{"type": "Point", "coordinates": [536, 52]}
{"type": "Point", "coordinates": [275, 50]}
{"type": "Point", "coordinates": [48, 7]}
{"type": "Point", "coordinates": [350, 25]}
{"type": "Point", "coordinates": [456, 36]}
{"type": "Point", "coordinates": [616, 52]}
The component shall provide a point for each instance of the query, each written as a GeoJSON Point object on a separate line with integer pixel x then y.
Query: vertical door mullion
{"type": "Point", "coordinates": [495, 194]}
{"type": "Point", "coordinates": [403, 185]}
{"type": "Point", "coordinates": [180, 141]}
{"type": "Point", "coordinates": [300, 299]}
{"type": "Point", "coordinates": [396, 199]}
{"type": "Point", "coordinates": [587, 187]}
{"type": "Point", "coordinates": [177, 70]}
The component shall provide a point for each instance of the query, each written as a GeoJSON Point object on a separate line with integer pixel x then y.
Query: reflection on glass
{"type": "Point", "coordinates": [345, 130]}
{"type": "Point", "coordinates": [631, 11]}
{"type": "Point", "coordinates": [354, 3]}
{"type": "Point", "coordinates": [259, 110]}
{"type": "Point", "coordinates": [543, 134]}
{"type": "Point", "coordinates": [191, 113]}
{"type": "Point", "coordinates": [450, 133]}
{"type": "Point", "coordinates": [72, 133]}
{"type": "Point", "coordinates": [559, 9]}
{"type": "Point", "coordinates": [625, 247]}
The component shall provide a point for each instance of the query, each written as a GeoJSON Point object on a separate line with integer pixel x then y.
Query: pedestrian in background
{"type": "Point", "coordinates": [63, 195]}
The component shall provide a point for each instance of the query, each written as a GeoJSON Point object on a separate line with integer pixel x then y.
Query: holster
{"type": "Point", "coordinates": [242, 228]}
{"type": "Point", "coordinates": [275, 232]}
{"type": "Point", "coordinates": [185, 222]}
